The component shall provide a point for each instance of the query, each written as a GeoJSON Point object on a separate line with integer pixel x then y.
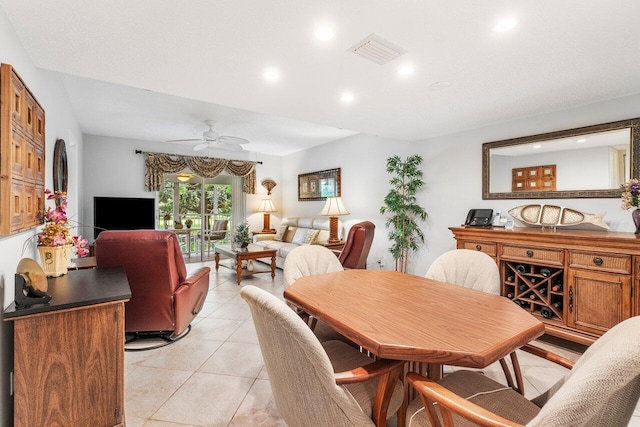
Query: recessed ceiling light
{"type": "Point", "coordinates": [324, 33]}
{"type": "Point", "coordinates": [505, 25]}
{"type": "Point", "coordinates": [537, 146]}
{"type": "Point", "coordinates": [347, 98]}
{"type": "Point", "coordinates": [271, 74]}
{"type": "Point", "coordinates": [581, 140]}
{"type": "Point", "coordinates": [405, 70]}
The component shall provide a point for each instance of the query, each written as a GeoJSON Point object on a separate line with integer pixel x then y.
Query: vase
{"type": "Point", "coordinates": [55, 260]}
{"type": "Point", "coordinates": [636, 219]}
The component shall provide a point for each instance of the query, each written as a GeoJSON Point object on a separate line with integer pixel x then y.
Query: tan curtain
{"type": "Point", "coordinates": [157, 164]}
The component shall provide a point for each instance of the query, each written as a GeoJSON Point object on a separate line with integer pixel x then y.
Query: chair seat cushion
{"type": "Point", "coordinates": [506, 402]}
{"type": "Point", "coordinates": [345, 357]}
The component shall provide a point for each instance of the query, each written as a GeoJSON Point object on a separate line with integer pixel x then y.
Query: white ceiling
{"type": "Point", "coordinates": [156, 69]}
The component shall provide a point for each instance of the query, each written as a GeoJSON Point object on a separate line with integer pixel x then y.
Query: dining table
{"type": "Point", "coordinates": [400, 316]}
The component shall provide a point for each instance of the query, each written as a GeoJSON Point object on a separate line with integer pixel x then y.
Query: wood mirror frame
{"type": "Point", "coordinates": [60, 174]}
{"type": "Point", "coordinates": [634, 150]}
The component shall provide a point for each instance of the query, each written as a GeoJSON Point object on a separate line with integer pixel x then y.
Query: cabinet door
{"type": "Point", "coordinates": [69, 367]}
{"type": "Point", "coordinates": [597, 301]}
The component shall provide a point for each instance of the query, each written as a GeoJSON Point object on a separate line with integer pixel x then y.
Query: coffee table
{"type": "Point", "coordinates": [251, 252]}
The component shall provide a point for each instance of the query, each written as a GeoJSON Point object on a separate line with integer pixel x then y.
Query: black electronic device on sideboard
{"type": "Point", "coordinates": [479, 218]}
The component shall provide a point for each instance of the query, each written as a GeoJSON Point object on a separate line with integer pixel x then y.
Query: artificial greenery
{"type": "Point", "coordinates": [403, 211]}
{"type": "Point", "coordinates": [242, 236]}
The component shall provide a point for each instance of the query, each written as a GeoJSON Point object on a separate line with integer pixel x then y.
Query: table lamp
{"type": "Point", "coordinates": [267, 207]}
{"type": "Point", "coordinates": [333, 207]}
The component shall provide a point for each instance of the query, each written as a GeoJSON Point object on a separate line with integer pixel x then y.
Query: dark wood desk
{"type": "Point", "coordinates": [69, 354]}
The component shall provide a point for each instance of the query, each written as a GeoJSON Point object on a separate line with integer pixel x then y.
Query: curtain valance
{"type": "Point", "coordinates": [157, 164]}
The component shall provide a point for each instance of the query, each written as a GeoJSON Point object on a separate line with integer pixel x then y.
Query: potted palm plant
{"type": "Point", "coordinates": [403, 211]}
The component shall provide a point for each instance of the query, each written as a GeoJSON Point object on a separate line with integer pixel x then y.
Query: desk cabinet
{"type": "Point", "coordinates": [579, 283]}
{"type": "Point", "coordinates": [69, 355]}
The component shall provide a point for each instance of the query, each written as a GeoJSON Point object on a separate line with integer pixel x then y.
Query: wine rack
{"type": "Point", "coordinates": [536, 288]}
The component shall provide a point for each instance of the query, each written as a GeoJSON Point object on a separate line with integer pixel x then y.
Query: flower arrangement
{"type": "Point", "coordinates": [57, 231]}
{"type": "Point", "coordinates": [241, 236]}
{"type": "Point", "coordinates": [631, 194]}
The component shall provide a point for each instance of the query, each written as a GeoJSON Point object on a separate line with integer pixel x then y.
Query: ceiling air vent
{"type": "Point", "coordinates": [376, 49]}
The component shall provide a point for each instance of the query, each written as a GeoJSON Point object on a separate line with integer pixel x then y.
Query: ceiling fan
{"type": "Point", "coordinates": [210, 138]}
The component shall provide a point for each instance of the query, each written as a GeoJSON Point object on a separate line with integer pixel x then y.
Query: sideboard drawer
{"type": "Point", "coordinates": [615, 263]}
{"type": "Point", "coordinates": [487, 248]}
{"type": "Point", "coordinates": [546, 255]}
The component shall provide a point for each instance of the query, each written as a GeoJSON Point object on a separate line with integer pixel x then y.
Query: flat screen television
{"type": "Point", "coordinates": [123, 213]}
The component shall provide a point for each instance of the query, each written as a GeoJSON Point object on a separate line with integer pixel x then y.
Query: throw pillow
{"type": "Point", "coordinates": [310, 237]}
{"type": "Point", "coordinates": [281, 230]}
{"type": "Point", "coordinates": [304, 236]}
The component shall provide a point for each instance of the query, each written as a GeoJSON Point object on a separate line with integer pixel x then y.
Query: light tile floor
{"type": "Point", "coordinates": [215, 375]}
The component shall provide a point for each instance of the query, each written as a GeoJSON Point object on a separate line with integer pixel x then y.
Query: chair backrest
{"type": "Point", "coordinates": [155, 268]}
{"type": "Point", "coordinates": [464, 267]}
{"type": "Point", "coordinates": [219, 230]}
{"type": "Point", "coordinates": [300, 372]}
{"type": "Point", "coordinates": [308, 260]}
{"type": "Point", "coordinates": [603, 387]}
{"type": "Point", "coordinates": [356, 248]}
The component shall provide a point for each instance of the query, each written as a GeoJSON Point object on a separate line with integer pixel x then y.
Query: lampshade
{"type": "Point", "coordinates": [266, 205]}
{"type": "Point", "coordinates": [334, 207]}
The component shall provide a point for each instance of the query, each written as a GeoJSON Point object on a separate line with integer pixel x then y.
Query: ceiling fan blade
{"type": "Point", "coordinates": [230, 147]}
{"type": "Point", "coordinates": [185, 140]}
{"type": "Point", "coordinates": [232, 140]}
{"type": "Point", "coordinates": [201, 146]}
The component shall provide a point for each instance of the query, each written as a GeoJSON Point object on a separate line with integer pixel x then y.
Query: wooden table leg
{"type": "Point", "coordinates": [238, 269]}
{"type": "Point", "coordinates": [273, 266]}
{"type": "Point", "coordinates": [217, 258]}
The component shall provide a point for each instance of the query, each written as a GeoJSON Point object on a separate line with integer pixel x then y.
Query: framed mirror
{"type": "Point", "coordinates": [591, 161]}
{"type": "Point", "coordinates": [60, 174]}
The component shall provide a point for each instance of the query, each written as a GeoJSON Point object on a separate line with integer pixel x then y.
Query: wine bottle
{"type": "Point", "coordinates": [557, 306]}
{"type": "Point", "coordinates": [546, 312]}
{"type": "Point", "coordinates": [532, 279]}
{"type": "Point", "coordinates": [510, 295]}
{"type": "Point", "coordinates": [522, 287]}
{"type": "Point", "coordinates": [511, 279]}
{"type": "Point", "coordinates": [545, 272]}
{"type": "Point", "coordinates": [532, 296]}
{"type": "Point", "coordinates": [543, 291]}
{"type": "Point", "coordinates": [521, 268]}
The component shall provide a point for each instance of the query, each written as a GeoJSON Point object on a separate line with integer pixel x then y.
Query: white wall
{"type": "Point", "coordinates": [112, 168]}
{"type": "Point", "coordinates": [60, 122]}
{"type": "Point", "coordinates": [452, 171]}
{"type": "Point", "coordinates": [362, 159]}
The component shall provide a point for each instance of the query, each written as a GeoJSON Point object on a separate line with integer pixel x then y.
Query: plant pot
{"type": "Point", "coordinates": [178, 226]}
{"type": "Point", "coordinates": [55, 260]}
{"type": "Point", "coordinates": [244, 245]}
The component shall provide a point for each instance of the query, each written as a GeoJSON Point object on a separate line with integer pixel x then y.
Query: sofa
{"type": "Point", "coordinates": [296, 231]}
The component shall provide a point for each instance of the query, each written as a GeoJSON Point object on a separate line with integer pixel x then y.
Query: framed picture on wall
{"type": "Point", "coordinates": [319, 185]}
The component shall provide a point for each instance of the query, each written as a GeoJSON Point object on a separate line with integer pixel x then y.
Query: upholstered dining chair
{"type": "Point", "coordinates": [313, 384]}
{"type": "Point", "coordinates": [357, 246]}
{"type": "Point", "coordinates": [475, 270]}
{"type": "Point", "coordinates": [164, 298]}
{"type": "Point", "coordinates": [217, 232]}
{"type": "Point", "coordinates": [309, 260]}
{"type": "Point", "coordinates": [601, 389]}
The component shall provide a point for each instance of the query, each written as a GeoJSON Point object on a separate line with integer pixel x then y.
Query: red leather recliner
{"type": "Point", "coordinates": [163, 298]}
{"type": "Point", "coordinates": [356, 248]}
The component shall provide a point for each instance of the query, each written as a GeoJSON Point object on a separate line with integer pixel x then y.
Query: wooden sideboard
{"type": "Point", "coordinates": [68, 364]}
{"type": "Point", "coordinates": [579, 283]}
